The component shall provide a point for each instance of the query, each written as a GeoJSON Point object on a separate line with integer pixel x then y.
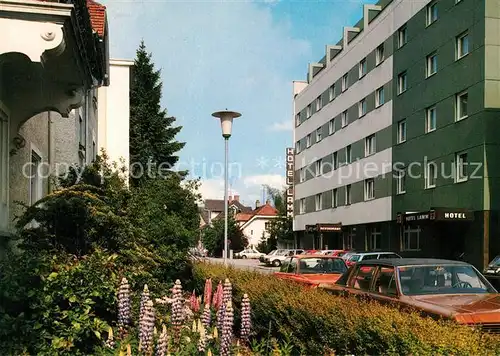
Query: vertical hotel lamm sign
{"type": "Point", "coordinates": [290, 174]}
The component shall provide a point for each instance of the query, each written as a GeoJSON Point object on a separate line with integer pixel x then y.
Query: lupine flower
{"type": "Point", "coordinates": [202, 341]}
{"type": "Point", "coordinates": [217, 299]}
{"type": "Point", "coordinates": [206, 316]}
{"type": "Point", "coordinates": [124, 308]}
{"type": "Point", "coordinates": [161, 346]}
{"type": "Point", "coordinates": [246, 320]}
{"type": "Point", "coordinates": [208, 291]}
{"type": "Point", "coordinates": [146, 326]}
{"type": "Point", "coordinates": [220, 317]}
{"type": "Point", "coordinates": [194, 327]}
{"type": "Point", "coordinates": [193, 301]}
{"type": "Point", "coordinates": [199, 325]}
{"type": "Point", "coordinates": [227, 330]}
{"type": "Point", "coordinates": [177, 305]}
{"type": "Point", "coordinates": [209, 352]}
{"type": "Point", "coordinates": [144, 298]}
{"type": "Point", "coordinates": [110, 342]}
{"type": "Point", "coordinates": [227, 292]}
{"type": "Point", "coordinates": [129, 350]}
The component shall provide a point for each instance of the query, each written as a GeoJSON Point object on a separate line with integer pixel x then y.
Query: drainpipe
{"type": "Point", "coordinates": [86, 122]}
{"type": "Point", "coordinates": [49, 149]}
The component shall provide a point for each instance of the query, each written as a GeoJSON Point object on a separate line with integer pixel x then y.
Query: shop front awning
{"type": "Point", "coordinates": [436, 215]}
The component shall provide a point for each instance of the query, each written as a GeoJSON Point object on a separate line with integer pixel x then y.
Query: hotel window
{"type": "Point", "coordinates": [379, 54]}
{"type": "Point", "coordinates": [297, 120]}
{"type": "Point", "coordinates": [319, 134]}
{"type": "Point", "coordinates": [432, 13]}
{"type": "Point", "coordinates": [374, 238]}
{"type": "Point", "coordinates": [94, 151]}
{"type": "Point", "coordinates": [402, 36]}
{"type": "Point", "coordinates": [379, 97]}
{"type": "Point", "coordinates": [410, 241]}
{"type": "Point", "coordinates": [370, 145]}
{"type": "Point", "coordinates": [302, 206]}
{"type": "Point", "coordinates": [335, 198]}
{"type": "Point", "coordinates": [401, 131]}
{"type": "Point", "coordinates": [331, 126]}
{"type": "Point", "coordinates": [335, 160]}
{"type": "Point", "coordinates": [348, 154]}
{"type": "Point", "coordinates": [432, 64]}
{"type": "Point", "coordinates": [308, 111]}
{"type": "Point", "coordinates": [348, 194]}
{"type": "Point", "coordinates": [319, 103]}
{"type": "Point", "coordinates": [302, 175]}
{"type": "Point", "coordinates": [81, 130]}
{"type": "Point", "coordinates": [331, 92]}
{"type": "Point", "coordinates": [461, 105]}
{"type": "Point", "coordinates": [462, 45]}
{"type": "Point", "coordinates": [35, 178]}
{"type": "Point", "coordinates": [430, 175]}
{"type": "Point", "coordinates": [297, 146]}
{"type": "Point", "coordinates": [362, 108]}
{"type": "Point", "coordinates": [348, 238]}
{"type": "Point", "coordinates": [345, 83]}
{"type": "Point", "coordinates": [308, 141]}
{"type": "Point", "coordinates": [362, 68]}
{"type": "Point", "coordinates": [319, 167]}
{"type": "Point", "coordinates": [318, 201]}
{"type": "Point", "coordinates": [461, 167]}
{"type": "Point", "coordinates": [430, 119]}
{"type": "Point", "coordinates": [345, 119]}
{"type": "Point", "coordinates": [401, 181]}
{"type": "Point", "coordinates": [402, 83]}
{"type": "Point", "coordinates": [369, 189]}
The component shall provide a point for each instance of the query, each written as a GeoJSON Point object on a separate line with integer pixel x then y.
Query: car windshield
{"type": "Point", "coordinates": [321, 265]}
{"type": "Point", "coordinates": [442, 279]}
{"type": "Point", "coordinates": [354, 258]}
{"type": "Point", "coordinates": [273, 252]}
{"type": "Point", "coordinates": [495, 262]}
{"type": "Point", "coordinates": [281, 252]}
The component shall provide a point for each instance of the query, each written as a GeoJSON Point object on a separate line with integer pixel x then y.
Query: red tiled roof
{"type": "Point", "coordinates": [241, 217]}
{"type": "Point", "coordinates": [97, 16]}
{"type": "Point", "coordinates": [266, 210]}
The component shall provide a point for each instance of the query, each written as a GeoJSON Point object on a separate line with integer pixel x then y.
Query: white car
{"type": "Point", "coordinates": [249, 253]}
{"type": "Point", "coordinates": [281, 255]}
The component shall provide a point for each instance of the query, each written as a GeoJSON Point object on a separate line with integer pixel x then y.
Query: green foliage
{"type": "Point", "coordinates": [152, 134]}
{"type": "Point", "coordinates": [213, 237]}
{"type": "Point", "coordinates": [280, 228]}
{"type": "Point", "coordinates": [319, 323]}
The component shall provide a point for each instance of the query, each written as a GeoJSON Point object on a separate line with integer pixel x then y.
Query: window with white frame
{"type": "Point", "coordinates": [400, 181]}
{"type": "Point", "coordinates": [369, 189]}
{"type": "Point", "coordinates": [461, 167]}
{"type": "Point", "coordinates": [370, 145]}
{"type": "Point", "coordinates": [348, 194]}
{"type": "Point", "coordinates": [318, 202]}
{"type": "Point", "coordinates": [461, 105]}
{"type": "Point", "coordinates": [331, 92]}
{"type": "Point", "coordinates": [348, 154]}
{"type": "Point", "coordinates": [462, 45]}
{"type": "Point", "coordinates": [379, 54]}
{"type": "Point", "coordinates": [319, 134]}
{"type": "Point", "coordinates": [302, 175]}
{"type": "Point", "coordinates": [35, 178]}
{"type": "Point", "coordinates": [430, 175]}
{"type": "Point", "coordinates": [432, 64]}
{"type": "Point", "coordinates": [319, 103]}
{"type": "Point", "coordinates": [297, 120]}
{"type": "Point", "coordinates": [345, 119]}
{"type": "Point", "coordinates": [308, 111]}
{"type": "Point", "coordinates": [302, 206]}
{"type": "Point", "coordinates": [402, 83]}
{"type": "Point", "coordinates": [345, 83]}
{"type": "Point", "coordinates": [432, 13]}
{"type": "Point", "coordinates": [335, 198]}
{"type": "Point", "coordinates": [410, 239]}
{"type": "Point", "coordinates": [401, 131]}
{"type": "Point", "coordinates": [402, 36]}
{"type": "Point", "coordinates": [319, 167]}
{"type": "Point", "coordinates": [362, 108]}
{"type": "Point", "coordinates": [430, 119]}
{"type": "Point", "coordinates": [362, 68]}
{"type": "Point", "coordinates": [331, 126]}
{"type": "Point", "coordinates": [308, 141]}
{"type": "Point", "coordinates": [374, 238]}
{"type": "Point", "coordinates": [379, 97]}
{"type": "Point", "coordinates": [335, 160]}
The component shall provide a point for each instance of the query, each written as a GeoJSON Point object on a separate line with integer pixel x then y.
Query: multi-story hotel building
{"type": "Point", "coordinates": [396, 133]}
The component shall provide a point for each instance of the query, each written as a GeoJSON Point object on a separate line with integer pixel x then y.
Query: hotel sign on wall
{"type": "Point", "coordinates": [290, 174]}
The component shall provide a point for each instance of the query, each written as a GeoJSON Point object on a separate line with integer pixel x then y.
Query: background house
{"type": "Point", "coordinates": [214, 209]}
{"type": "Point", "coordinates": [254, 223]}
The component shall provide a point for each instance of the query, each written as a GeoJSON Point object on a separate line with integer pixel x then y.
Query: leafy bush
{"type": "Point", "coordinates": [320, 323]}
{"type": "Point", "coordinates": [213, 237]}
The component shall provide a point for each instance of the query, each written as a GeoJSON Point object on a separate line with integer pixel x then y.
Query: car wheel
{"type": "Point", "coordinates": [244, 257]}
{"type": "Point", "coordinates": [276, 263]}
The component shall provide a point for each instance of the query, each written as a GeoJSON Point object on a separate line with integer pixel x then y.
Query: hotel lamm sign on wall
{"type": "Point", "coordinates": [289, 181]}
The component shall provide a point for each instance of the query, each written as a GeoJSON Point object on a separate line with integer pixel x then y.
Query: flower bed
{"type": "Point", "coordinates": [318, 323]}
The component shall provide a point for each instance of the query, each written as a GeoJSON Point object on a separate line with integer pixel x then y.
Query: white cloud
{"type": "Point", "coordinates": [282, 126]}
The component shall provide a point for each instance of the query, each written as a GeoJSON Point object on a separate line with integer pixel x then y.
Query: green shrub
{"type": "Point", "coordinates": [320, 323]}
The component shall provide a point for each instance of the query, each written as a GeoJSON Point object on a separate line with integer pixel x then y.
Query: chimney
{"type": "Point", "coordinates": [268, 202]}
{"type": "Point", "coordinates": [237, 197]}
{"type": "Point", "coordinates": [257, 204]}
{"type": "Point", "coordinates": [230, 198]}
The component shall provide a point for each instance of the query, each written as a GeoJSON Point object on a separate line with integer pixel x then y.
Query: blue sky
{"type": "Point", "coordinates": [240, 55]}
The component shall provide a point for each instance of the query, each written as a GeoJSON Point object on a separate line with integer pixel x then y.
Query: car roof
{"type": "Point", "coordinates": [399, 262]}
{"type": "Point", "coordinates": [309, 255]}
{"type": "Point", "coordinates": [374, 253]}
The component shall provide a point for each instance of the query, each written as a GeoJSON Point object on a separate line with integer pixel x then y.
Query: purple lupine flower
{"type": "Point", "coordinates": [161, 346]}
{"type": "Point", "coordinates": [227, 330]}
{"type": "Point", "coordinates": [220, 317]}
{"type": "Point", "coordinates": [124, 307]}
{"type": "Point", "coordinates": [144, 300]}
{"type": "Point", "coordinates": [206, 317]}
{"type": "Point", "coordinates": [110, 342]}
{"type": "Point", "coordinates": [177, 305]}
{"type": "Point", "coordinates": [146, 327]}
{"type": "Point", "coordinates": [246, 320]}
{"type": "Point", "coordinates": [227, 292]}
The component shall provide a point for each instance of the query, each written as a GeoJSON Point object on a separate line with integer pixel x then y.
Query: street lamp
{"type": "Point", "coordinates": [226, 121]}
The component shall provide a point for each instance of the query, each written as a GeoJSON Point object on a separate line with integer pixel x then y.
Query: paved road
{"type": "Point", "coordinates": [246, 264]}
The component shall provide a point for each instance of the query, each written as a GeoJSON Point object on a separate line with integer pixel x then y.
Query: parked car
{"type": "Point", "coordinates": [277, 259]}
{"type": "Point", "coordinates": [438, 288]}
{"type": "Point", "coordinates": [336, 253]}
{"type": "Point", "coordinates": [262, 259]}
{"type": "Point", "coordinates": [249, 253]}
{"type": "Point", "coordinates": [363, 256]}
{"type": "Point", "coordinates": [312, 270]}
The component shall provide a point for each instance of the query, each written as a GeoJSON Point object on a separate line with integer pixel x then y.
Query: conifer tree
{"type": "Point", "coordinates": [152, 131]}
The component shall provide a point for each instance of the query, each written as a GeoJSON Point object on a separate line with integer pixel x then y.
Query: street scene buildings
{"type": "Point", "coordinates": [396, 142]}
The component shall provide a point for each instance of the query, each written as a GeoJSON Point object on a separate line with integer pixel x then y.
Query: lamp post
{"type": "Point", "coordinates": [226, 120]}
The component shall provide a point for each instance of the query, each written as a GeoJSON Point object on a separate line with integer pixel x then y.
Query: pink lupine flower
{"type": "Point", "coordinates": [208, 291]}
{"type": "Point", "coordinates": [217, 299]}
{"type": "Point", "coordinates": [193, 301]}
